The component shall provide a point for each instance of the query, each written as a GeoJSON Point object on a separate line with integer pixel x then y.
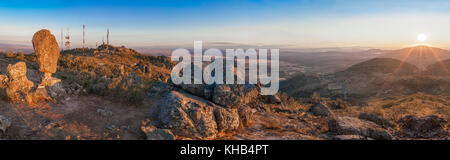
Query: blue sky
{"type": "Point", "coordinates": [297, 23]}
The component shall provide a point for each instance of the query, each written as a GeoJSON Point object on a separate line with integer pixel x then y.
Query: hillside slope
{"type": "Point", "coordinates": [375, 77]}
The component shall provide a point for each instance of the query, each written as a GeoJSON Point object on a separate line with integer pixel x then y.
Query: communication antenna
{"type": "Point", "coordinates": [68, 39]}
{"type": "Point", "coordinates": [107, 36]}
{"type": "Point", "coordinates": [84, 35]}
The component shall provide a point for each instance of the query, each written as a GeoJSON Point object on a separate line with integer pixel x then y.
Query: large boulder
{"type": "Point", "coordinates": [18, 85]}
{"type": "Point", "coordinates": [376, 119]}
{"type": "Point", "coordinates": [427, 127]}
{"type": "Point", "coordinates": [47, 51]}
{"type": "Point", "coordinates": [354, 126]}
{"type": "Point", "coordinates": [201, 90]}
{"type": "Point", "coordinates": [320, 109]}
{"type": "Point", "coordinates": [227, 119]}
{"type": "Point", "coordinates": [193, 117]}
{"type": "Point", "coordinates": [232, 95]}
{"type": "Point", "coordinates": [47, 54]}
{"type": "Point", "coordinates": [5, 123]}
{"type": "Point", "coordinates": [56, 90]}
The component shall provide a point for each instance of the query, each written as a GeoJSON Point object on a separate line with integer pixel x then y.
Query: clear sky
{"type": "Point", "coordinates": [289, 23]}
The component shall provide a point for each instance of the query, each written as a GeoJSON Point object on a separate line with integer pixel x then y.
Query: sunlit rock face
{"type": "Point", "coordinates": [18, 85]}
{"type": "Point", "coordinates": [47, 54]}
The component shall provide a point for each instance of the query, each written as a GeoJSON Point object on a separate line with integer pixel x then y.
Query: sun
{"type": "Point", "coordinates": [421, 37]}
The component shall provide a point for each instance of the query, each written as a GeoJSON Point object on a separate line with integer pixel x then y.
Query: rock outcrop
{"type": "Point", "coordinates": [18, 85]}
{"type": "Point", "coordinates": [320, 109]}
{"type": "Point", "coordinates": [376, 119]}
{"type": "Point", "coordinates": [232, 95]}
{"type": "Point", "coordinates": [227, 119]}
{"type": "Point", "coordinates": [186, 115]}
{"type": "Point", "coordinates": [426, 127]}
{"type": "Point", "coordinates": [354, 126]}
{"type": "Point", "coordinates": [47, 54]}
{"type": "Point", "coordinates": [190, 116]}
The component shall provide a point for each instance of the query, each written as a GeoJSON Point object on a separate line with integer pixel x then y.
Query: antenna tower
{"type": "Point", "coordinates": [107, 36]}
{"type": "Point", "coordinates": [68, 39]}
{"type": "Point", "coordinates": [84, 35]}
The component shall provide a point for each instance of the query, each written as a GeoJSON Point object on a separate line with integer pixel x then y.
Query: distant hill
{"type": "Point", "coordinates": [439, 68]}
{"type": "Point", "coordinates": [383, 66]}
{"type": "Point", "coordinates": [375, 77]}
{"type": "Point", "coordinates": [421, 56]}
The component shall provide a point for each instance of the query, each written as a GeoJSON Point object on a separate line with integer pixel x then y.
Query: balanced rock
{"type": "Point", "coordinates": [47, 53]}
{"type": "Point", "coordinates": [18, 85]}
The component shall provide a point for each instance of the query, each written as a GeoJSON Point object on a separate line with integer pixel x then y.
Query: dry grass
{"type": "Point", "coordinates": [397, 107]}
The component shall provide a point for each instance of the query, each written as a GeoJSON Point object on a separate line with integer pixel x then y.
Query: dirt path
{"type": "Point", "coordinates": [74, 118]}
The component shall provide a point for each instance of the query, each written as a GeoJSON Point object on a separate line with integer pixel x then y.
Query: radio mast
{"type": "Point", "coordinates": [107, 36]}
{"type": "Point", "coordinates": [68, 39]}
{"type": "Point", "coordinates": [84, 35]}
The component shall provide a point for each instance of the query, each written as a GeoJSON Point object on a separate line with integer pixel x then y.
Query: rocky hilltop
{"type": "Point", "coordinates": [117, 93]}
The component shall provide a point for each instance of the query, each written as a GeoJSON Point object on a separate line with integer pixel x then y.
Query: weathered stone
{"type": "Point", "coordinates": [47, 51]}
{"type": "Point", "coordinates": [320, 109]}
{"type": "Point", "coordinates": [427, 127]}
{"type": "Point", "coordinates": [376, 119]}
{"type": "Point", "coordinates": [18, 85]}
{"type": "Point", "coordinates": [5, 123]}
{"type": "Point", "coordinates": [246, 115]}
{"type": "Point", "coordinates": [227, 119]}
{"type": "Point", "coordinates": [195, 89]}
{"type": "Point", "coordinates": [56, 90]}
{"type": "Point", "coordinates": [186, 115]}
{"type": "Point", "coordinates": [232, 95]}
{"type": "Point", "coordinates": [47, 54]}
{"type": "Point", "coordinates": [354, 126]}
{"type": "Point", "coordinates": [153, 133]}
